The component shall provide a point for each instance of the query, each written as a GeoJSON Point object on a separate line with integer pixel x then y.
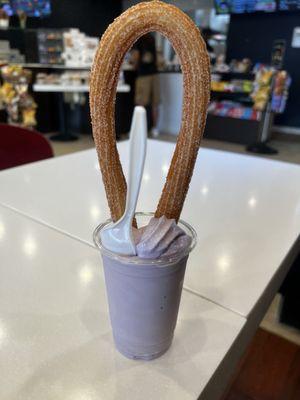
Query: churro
{"type": "Point", "coordinates": [190, 47]}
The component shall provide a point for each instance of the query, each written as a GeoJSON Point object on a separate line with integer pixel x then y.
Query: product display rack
{"type": "Point", "coordinates": [50, 109]}
{"type": "Point", "coordinates": [243, 106]}
{"type": "Point", "coordinates": [235, 129]}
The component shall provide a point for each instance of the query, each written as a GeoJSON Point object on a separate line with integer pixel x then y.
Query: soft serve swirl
{"type": "Point", "coordinates": [162, 237]}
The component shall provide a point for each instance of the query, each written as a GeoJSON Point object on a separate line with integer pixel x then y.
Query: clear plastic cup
{"type": "Point", "coordinates": [143, 296]}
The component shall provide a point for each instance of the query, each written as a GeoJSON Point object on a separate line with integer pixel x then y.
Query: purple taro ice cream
{"type": "Point", "coordinates": [144, 291]}
{"type": "Point", "coordinates": [162, 237]}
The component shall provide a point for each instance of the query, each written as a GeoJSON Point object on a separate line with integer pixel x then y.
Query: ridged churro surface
{"type": "Point", "coordinates": [190, 47]}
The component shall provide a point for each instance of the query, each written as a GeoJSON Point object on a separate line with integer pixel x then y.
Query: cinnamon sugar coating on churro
{"type": "Point", "coordinates": [190, 47]}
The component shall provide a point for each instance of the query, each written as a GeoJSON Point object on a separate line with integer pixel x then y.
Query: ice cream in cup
{"type": "Point", "coordinates": [144, 291]}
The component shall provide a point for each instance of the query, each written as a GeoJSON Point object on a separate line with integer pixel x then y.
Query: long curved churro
{"type": "Point", "coordinates": [190, 47]}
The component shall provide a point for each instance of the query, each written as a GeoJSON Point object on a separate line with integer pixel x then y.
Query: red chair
{"type": "Point", "coordinates": [21, 146]}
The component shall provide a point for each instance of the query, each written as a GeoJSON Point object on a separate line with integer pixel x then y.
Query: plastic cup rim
{"type": "Point", "coordinates": [138, 261]}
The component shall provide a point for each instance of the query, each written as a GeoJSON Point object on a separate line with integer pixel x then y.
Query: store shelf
{"type": "Point", "coordinates": [54, 66]}
{"type": "Point", "coordinates": [231, 117]}
{"type": "Point", "coordinates": [235, 75]}
{"type": "Point", "coordinates": [64, 67]}
{"type": "Point", "coordinates": [239, 97]}
{"type": "Point", "coordinates": [72, 88]}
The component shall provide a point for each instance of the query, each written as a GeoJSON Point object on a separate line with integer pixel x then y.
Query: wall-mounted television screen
{"type": "Point", "coordinates": [5, 5]}
{"type": "Point", "coordinates": [289, 5]}
{"type": "Point", "coordinates": [245, 6]}
{"type": "Point", "coordinates": [32, 8]}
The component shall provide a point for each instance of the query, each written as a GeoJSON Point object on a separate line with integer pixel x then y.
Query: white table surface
{"type": "Point", "coordinates": [122, 88]}
{"type": "Point", "coordinates": [55, 335]}
{"type": "Point", "coordinates": [246, 211]}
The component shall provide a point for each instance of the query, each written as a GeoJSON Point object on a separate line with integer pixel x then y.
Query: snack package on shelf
{"type": "Point", "coordinates": [242, 66]}
{"type": "Point", "coordinates": [47, 79]}
{"type": "Point", "coordinates": [50, 46]}
{"type": "Point", "coordinates": [222, 86]}
{"type": "Point", "coordinates": [220, 65]}
{"type": "Point", "coordinates": [238, 66]}
{"type": "Point", "coordinates": [247, 86]}
{"type": "Point", "coordinates": [261, 97]}
{"type": "Point", "coordinates": [234, 86]}
{"type": "Point", "coordinates": [79, 49]}
{"type": "Point", "coordinates": [280, 93]}
{"type": "Point", "coordinates": [262, 86]}
{"type": "Point", "coordinates": [19, 104]}
{"type": "Point", "coordinates": [67, 78]}
{"type": "Point", "coordinates": [234, 110]}
{"type": "Point", "coordinates": [271, 83]}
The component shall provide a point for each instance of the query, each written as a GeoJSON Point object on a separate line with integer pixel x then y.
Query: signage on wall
{"type": "Point", "coordinates": [296, 37]}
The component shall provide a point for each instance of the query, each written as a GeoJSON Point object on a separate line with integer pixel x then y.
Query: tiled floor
{"type": "Point", "coordinates": [61, 148]}
{"type": "Point", "coordinates": [288, 151]}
